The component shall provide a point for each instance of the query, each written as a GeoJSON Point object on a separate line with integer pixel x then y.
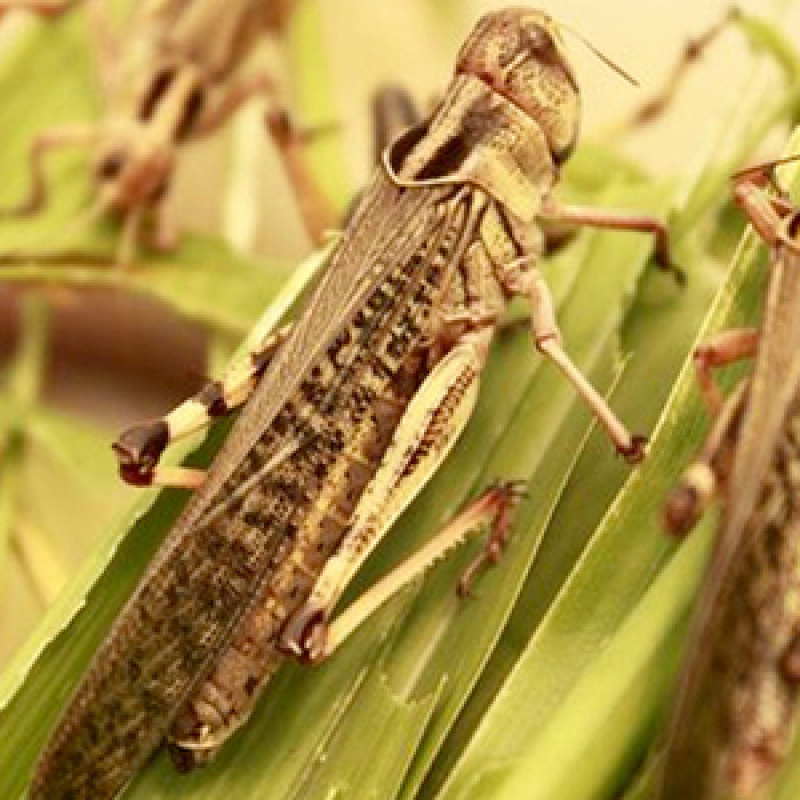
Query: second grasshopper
{"type": "Point", "coordinates": [737, 702]}
{"type": "Point", "coordinates": [348, 413]}
{"type": "Point", "coordinates": [172, 78]}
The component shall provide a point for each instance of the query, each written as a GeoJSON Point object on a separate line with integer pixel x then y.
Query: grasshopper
{"type": "Point", "coordinates": [171, 80]}
{"type": "Point", "coordinates": [349, 411]}
{"type": "Point", "coordinates": [736, 703]}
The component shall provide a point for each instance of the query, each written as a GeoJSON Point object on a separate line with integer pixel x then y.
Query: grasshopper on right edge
{"type": "Point", "coordinates": [736, 707]}
{"type": "Point", "coordinates": [350, 412]}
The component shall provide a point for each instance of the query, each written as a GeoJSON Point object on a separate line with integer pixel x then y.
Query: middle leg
{"type": "Point", "coordinates": [547, 337]}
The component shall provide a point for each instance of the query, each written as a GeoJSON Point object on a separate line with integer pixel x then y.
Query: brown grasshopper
{"type": "Point", "coordinates": [736, 705]}
{"type": "Point", "coordinates": [350, 411]}
{"type": "Point", "coordinates": [170, 80]}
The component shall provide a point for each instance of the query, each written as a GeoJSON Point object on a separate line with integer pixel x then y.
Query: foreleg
{"type": "Point", "coordinates": [139, 448]}
{"type": "Point", "coordinates": [725, 348]}
{"type": "Point", "coordinates": [701, 480]}
{"type": "Point", "coordinates": [547, 337]}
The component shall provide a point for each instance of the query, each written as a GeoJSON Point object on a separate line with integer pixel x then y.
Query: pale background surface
{"type": "Point", "coordinates": [644, 37]}
{"type": "Point", "coordinates": [414, 42]}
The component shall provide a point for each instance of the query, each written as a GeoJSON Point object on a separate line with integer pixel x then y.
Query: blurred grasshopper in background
{"type": "Point", "coordinates": [169, 78]}
{"type": "Point", "coordinates": [736, 706]}
{"type": "Point", "coordinates": [349, 412]}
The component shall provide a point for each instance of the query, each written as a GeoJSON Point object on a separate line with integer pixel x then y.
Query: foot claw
{"type": "Point", "coordinates": [280, 126]}
{"type": "Point", "coordinates": [305, 635]}
{"type": "Point", "coordinates": [679, 274]}
{"type": "Point", "coordinates": [464, 587]}
{"type": "Point", "coordinates": [635, 451]}
{"type": "Point", "coordinates": [505, 495]}
{"type": "Point", "coordinates": [666, 264]}
{"type": "Point", "coordinates": [511, 490]}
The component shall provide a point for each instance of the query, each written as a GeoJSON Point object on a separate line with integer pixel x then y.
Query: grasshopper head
{"type": "Point", "coordinates": [520, 54]}
{"type": "Point", "coordinates": [133, 168]}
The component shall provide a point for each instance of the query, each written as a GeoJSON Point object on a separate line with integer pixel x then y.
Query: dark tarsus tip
{"type": "Point", "coordinates": [679, 274]}
{"type": "Point", "coordinates": [279, 125]}
{"type": "Point", "coordinates": [635, 451]}
{"type": "Point", "coordinates": [464, 587]}
{"type": "Point", "coordinates": [212, 396]}
{"type": "Point", "coordinates": [514, 490]}
{"type": "Point", "coordinates": [155, 92]}
{"type": "Point", "coordinates": [663, 256]}
{"type": "Point", "coordinates": [666, 264]}
{"type": "Point", "coordinates": [793, 226]}
{"type": "Point", "coordinates": [111, 166]}
{"type": "Point", "coordinates": [138, 450]}
{"type": "Point", "coordinates": [195, 104]}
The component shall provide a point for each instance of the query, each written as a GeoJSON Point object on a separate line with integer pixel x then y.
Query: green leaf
{"type": "Point", "coordinates": [58, 488]}
{"type": "Point", "coordinates": [204, 280]}
{"type": "Point", "coordinates": [619, 645]}
{"type": "Point", "coordinates": [64, 493]}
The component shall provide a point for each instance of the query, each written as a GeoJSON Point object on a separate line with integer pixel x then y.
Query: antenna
{"type": "Point", "coordinates": [604, 58]}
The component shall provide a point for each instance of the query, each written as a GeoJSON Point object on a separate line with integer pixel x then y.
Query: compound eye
{"type": "Point", "coordinates": [536, 39]}
{"type": "Point", "coordinates": [532, 42]}
{"type": "Point", "coordinates": [110, 167]}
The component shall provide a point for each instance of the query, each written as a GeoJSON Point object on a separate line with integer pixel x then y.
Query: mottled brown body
{"type": "Point", "coordinates": [275, 535]}
{"type": "Point", "coordinates": [393, 339]}
{"type": "Point", "coordinates": [736, 708]}
{"type": "Point", "coordinates": [205, 591]}
{"type": "Point", "coordinates": [467, 249]}
{"type": "Point", "coordinates": [364, 381]}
